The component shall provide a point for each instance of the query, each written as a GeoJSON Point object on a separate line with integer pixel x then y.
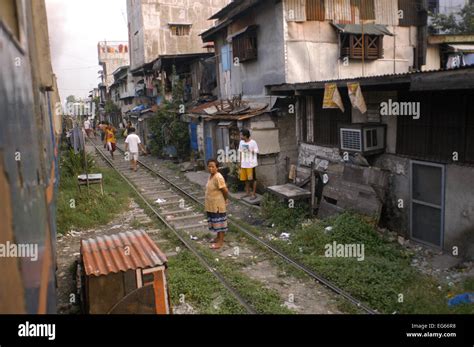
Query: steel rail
{"type": "Point", "coordinates": [203, 261]}
{"type": "Point", "coordinates": [318, 278]}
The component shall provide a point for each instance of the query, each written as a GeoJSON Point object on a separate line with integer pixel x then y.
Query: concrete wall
{"type": "Point", "coordinates": [149, 32]}
{"type": "Point", "coordinates": [459, 205]}
{"type": "Point", "coordinates": [288, 144]}
{"type": "Point", "coordinates": [433, 58]}
{"type": "Point", "coordinates": [396, 219]}
{"type": "Point", "coordinates": [251, 77]}
{"type": "Point", "coordinates": [459, 202]}
{"type": "Point", "coordinates": [312, 50]}
{"type": "Point", "coordinates": [111, 61]}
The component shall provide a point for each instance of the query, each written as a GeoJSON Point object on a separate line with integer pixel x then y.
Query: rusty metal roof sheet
{"type": "Point", "coordinates": [221, 110]}
{"type": "Point", "coordinates": [120, 252]}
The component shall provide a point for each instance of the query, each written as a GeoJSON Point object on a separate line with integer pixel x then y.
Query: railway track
{"type": "Point", "coordinates": [182, 217]}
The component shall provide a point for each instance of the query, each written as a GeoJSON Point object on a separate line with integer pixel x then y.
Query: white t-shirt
{"type": "Point", "coordinates": [87, 124]}
{"type": "Point", "coordinates": [133, 141]}
{"type": "Point", "coordinates": [249, 152]}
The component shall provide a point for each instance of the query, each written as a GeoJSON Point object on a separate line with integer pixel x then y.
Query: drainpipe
{"type": "Point", "coordinates": [394, 49]}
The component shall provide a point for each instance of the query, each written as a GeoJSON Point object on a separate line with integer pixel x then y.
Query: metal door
{"type": "Point", "coordinates": [427, 184]}
{"type": "Point", "coordinates": [209, 141]}
{"type": "Point", "coordinates": [194, 137]}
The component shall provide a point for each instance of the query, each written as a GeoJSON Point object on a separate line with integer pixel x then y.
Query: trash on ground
{"type": "Point", "coordinates": [466, 298]}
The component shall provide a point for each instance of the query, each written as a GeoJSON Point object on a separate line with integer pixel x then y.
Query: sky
{"type": "Point", "coordinates": [75, 28]}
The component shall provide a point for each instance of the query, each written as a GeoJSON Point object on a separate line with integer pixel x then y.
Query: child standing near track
{"type": "Point", "coordinates": [248, 150]}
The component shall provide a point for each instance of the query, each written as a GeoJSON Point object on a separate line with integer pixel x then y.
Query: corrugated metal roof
{"type": "Point", "coordinates": [375, 78]}
{"type": "Point", "coordinates": [120, 252]}
{"type": "Point", "coordinates": [222, 110]}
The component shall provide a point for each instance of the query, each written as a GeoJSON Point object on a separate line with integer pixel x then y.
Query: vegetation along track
{"type": "Point", "coordinates": [173, 196]}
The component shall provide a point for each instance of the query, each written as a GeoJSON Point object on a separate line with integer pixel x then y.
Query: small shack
{"type": "Point", "coordinates": [124, 273]}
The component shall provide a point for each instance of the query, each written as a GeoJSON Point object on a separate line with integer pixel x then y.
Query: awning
{"type": "Point", "coordinates": [240, 32]}
{"type": "Point", "coordinates": [461, 48]}
{"type": "Point", "coordinates": [138, 108]}
{"type": "Point", "coordinates": [225, 124]}
{"type": "Point", "coordinates": [367, 29]}
{"type": "Point", "coordinates": [180, 23]}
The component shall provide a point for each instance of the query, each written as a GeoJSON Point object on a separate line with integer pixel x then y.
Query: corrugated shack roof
{"type": "Point", "coordinates": [226, 15]}
{"type": "Point", "coordinates": [125, 251]}
{"type": "Point", "coordinates": [224, 110]}
{"type": "Point", "coordinates": [443, 79]}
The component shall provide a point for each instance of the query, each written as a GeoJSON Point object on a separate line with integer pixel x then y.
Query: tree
{"type": "Point", "coordinates": [71, 99]}
{"type": "Point", "coordinates": [111, 108]}
{"type": "Point", "coordinates": [461, 22]}
{"type": "Point", "coordinates": [168, 130]}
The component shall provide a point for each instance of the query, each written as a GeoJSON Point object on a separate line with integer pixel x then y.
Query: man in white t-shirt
{"type": "Point", "coordinates": [248, 150]}
{"type": "Point", "coordinates": [87, 127]}
{"type": "Point", "coordinates": [132, 145]}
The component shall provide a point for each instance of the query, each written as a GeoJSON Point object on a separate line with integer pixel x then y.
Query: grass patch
{"type": "Point", "coordinates": [263, 300]}
{"type": "Point", "coordinates": [82, 210]}
{"type": "Point", "coordinates": [284, 216]}
{"type": "Point", "coordinates": [186, 276]}
{"type": "Point", "coordinates": [380, 278]}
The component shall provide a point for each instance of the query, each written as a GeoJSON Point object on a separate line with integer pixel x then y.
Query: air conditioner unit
{"type": "Point", "coordinates": [364, 138]}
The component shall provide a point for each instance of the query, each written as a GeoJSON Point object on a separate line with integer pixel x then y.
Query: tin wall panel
{"type": "Point", "coordinates": [295, 10]}
{"type": "Point", "coordinates": [386, 12]}
{"type": "Point", "coordinates": [315, 10]}
{"type": "Point", "coordinates": [339, 11]}
{"type": "Point", "coordinates": [364, 8]}
{"type": "Point", "coordinates": [409, 14]}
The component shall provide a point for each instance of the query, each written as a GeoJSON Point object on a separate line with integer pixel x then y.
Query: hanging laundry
{"type": "Point", "coordinates": [332, 98]}
{"type": "Point", "coordinates": [357, 99]}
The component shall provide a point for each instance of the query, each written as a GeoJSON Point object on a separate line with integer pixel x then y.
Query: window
{"type": "Point", "coordinates": [245, 45]}
{"type": "Point", "coordinates": [180, 29]}
{"type": "Point", "coordinates": [445, 127]}
{"type": "Point", "coordinates": [347, 11]}
{"type": "Point", "coordinates": [355, 46]}
{"type": "Point", "coordinates": [320, 126]}
{"type": "Point", "coordinates": [9, 16]}
{"type": "Point", "coordinates": [226, 58]}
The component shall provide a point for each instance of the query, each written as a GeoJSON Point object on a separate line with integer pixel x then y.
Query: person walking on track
{"type": "Point", "coordinates": [110, 140]}
{"type": "Point", "coordinates": [87, 127]}
{"type": "Point", "coordinates": [132, 143]}
{"type": "Point", "coordinates": [216, 201]}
